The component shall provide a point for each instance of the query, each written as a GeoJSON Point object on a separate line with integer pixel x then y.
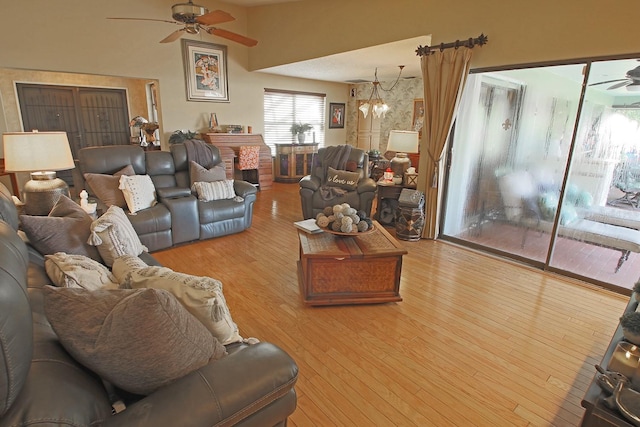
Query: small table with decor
{"type": "Point", "coordinates": [356, 269]}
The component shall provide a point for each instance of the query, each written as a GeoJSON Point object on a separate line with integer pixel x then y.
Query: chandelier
{"type": "Point", "coordinates": [375, 103]}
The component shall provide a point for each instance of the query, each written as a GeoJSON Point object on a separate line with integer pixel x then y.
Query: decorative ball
{"type": "Point", "coordinates": [355, 218]}
{"type": "Point", "coordinates": [331, 218]}
{"type": "Point", "coordinates": [349, 211]}
{"type": "Point", "coordinates": [362, 214]}
{"type": "Point", "coordinates": [320, 214]}
{"type": "Point", "coordinates": [362, 226]}
{"type": "Point", "coordinates": [346, 220]}
{"type": "Point", "coordinates": [323, 221]}
{"type": "Point", "coordinates": [346, 228]}
{"type": "Point", "coordinates": [339, 216]}
{"type": "Point", "coordinates": [328, 210]}
{"type": "Point", "coordinates": [335, 225]}
{"type": "Point", "coordinates": [337, 208]}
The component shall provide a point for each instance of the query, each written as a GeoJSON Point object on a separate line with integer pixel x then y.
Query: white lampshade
{"type": "Point", "coordinates": [41, 153]}
{"type": "Point", "coordinates": [403, 141]}
{"type": "Point", "coordinates": [36, 151]}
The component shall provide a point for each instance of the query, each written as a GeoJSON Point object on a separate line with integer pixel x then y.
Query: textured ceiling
{"type": "Point", "coordinates": [361, 64]}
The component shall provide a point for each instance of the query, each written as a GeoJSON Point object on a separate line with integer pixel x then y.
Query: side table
{"type": "Point", "coordinates": [386, 203]}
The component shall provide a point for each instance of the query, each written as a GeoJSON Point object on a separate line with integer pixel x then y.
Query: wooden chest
{"type": "Point", "coordinates": [361, 269]}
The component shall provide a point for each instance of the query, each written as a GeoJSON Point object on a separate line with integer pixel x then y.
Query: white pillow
{"type": "Point", "coordinates": [217, 190]}
{"type": "Point", "coordinates": [201, 296]}
{"type": "Point", "coordinates": [114, 236]}
{"type": "Point", "coordinates": [139, 192]}
{"type": "Point", "coordinates": [78, 271]}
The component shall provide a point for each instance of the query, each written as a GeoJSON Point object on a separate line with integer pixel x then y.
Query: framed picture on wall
{"type": "Point", "coordinates": [336, 115]}
{"type": "Point", "coordinates": [205, 68]}
{"type": "Point", "coordinates": [418, 116]}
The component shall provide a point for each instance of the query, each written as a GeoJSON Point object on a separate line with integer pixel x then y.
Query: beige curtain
{"type": "Point", "coordinates": [444, 74]}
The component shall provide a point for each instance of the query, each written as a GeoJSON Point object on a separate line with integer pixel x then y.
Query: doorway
{"type": "Point", "coordinates": [90, 116]}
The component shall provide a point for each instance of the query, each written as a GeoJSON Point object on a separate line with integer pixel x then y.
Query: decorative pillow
{"type": "Point", "coordinates": [201, 296]}
{"type": "Point", "coordinates": [66, 229]}
{"type": "Point", "coordinates": [105, 187]}
{"type": "Point", "coordinates": [217, 190]}
{"type": "Point", "coordinates": [199, 173]}
{"type": "Point", "coordinates": [139, 192]}
{"type": "Point", "coordinates": [138, 340]}
{"type": "Point", "coordinates": [78, 271]}
{"type": "Point", "coordinates": [342, 179]}
{"type": "Point", "coordinates": [114, 236]}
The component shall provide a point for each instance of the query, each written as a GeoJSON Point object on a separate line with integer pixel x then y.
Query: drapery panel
{"type": "Point", "coordinates": [444, 73]}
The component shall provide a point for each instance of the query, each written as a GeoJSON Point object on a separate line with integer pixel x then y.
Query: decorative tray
{"type": "Point", "coordinates": [354, 233]}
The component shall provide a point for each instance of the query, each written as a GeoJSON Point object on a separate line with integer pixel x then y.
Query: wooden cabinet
{"type": "Point", "coordinates": [229, 145]}
{"type": "Point", "coordinates": [293, 161]}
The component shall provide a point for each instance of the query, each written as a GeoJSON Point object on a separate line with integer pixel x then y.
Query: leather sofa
{"type": "Point", "coordinates": [311, 186]}
{"type": "Point", "coordinates": [179, 217]}
{"type": "Point", "coordinates": [41, 384]}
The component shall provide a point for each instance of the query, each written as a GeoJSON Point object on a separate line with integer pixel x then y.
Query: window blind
{"type": "Point", "coordinates": [284, 108]}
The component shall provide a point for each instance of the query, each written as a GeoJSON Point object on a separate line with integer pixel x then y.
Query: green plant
{"type": "Point", "coordinates": [181, 136]}
{"type": "Point", "coordinates": [630, 322]}
{"type": "Point", "coordinates": [297, 128]}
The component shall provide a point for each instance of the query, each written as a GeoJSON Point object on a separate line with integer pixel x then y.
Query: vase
{"type": "Point", "coordinates": [301, 138]}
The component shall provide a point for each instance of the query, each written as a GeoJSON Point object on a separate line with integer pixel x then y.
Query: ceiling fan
{"type": "Point", "coordinates": [632, 78]}
{"type": "Point", "coordinates": [194, 18]}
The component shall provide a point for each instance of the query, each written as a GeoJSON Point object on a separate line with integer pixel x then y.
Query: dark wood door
{"type": "Point", "coordinates": [90, 116]}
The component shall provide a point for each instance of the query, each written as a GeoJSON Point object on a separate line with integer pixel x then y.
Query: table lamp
{"type": "Point", "coordinates": [402, 142]}
{"type": "Point", "coordinates": [41, 153]}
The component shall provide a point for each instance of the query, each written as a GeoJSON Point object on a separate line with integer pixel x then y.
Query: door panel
{"type": "Point", "coordinates": [90, 116]}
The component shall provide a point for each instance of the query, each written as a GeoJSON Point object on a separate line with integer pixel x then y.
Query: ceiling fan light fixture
{"type": "Point", "coordinates": [187, 12]}
{"type": "Point", "coordinates": [192, 28]}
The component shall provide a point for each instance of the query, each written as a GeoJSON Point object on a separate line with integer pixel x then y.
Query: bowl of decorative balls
{"type": "Point", "coordinates": [343, 220]}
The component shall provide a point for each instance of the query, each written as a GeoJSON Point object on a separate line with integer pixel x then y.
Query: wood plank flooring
{"type": "Point", "coordinates": [477, 340]}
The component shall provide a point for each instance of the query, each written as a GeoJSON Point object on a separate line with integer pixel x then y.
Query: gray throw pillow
{"type": "Point", "coordinates": [105, 187]}
{"type": "Point", "coordinates": [138, 340]}
{"type": "Point", "coordinates": [342, 179]}
{"type": "Point", "coordinates": [199, 173]}
{"type": "Point", "coordinates": [66, 229]}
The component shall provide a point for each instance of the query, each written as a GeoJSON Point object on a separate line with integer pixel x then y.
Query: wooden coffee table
{"type": "Point", "coordinates": [359, 269]}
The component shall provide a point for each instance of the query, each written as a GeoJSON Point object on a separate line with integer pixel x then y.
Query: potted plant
{"type": "Point", "coordinates": [300, 129]}
{"type": "Point", "coordinates": [630, 323]}
{"type": "Point", "coordinates": [181, 136]}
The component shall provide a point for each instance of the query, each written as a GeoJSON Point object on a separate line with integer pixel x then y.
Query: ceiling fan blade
{"type": "Point", "coordinates": [238, 38]}
{"type": "Point", "coordinates": [173, 36]}
{"type": "Point", "coordinates": [215, 17]}
{"type": "Point", "coordinates": [619, 85]}
{"type": "Point", "coordinates": [148, 19]}
{"type": "Point", "coordinates": [607, 81]}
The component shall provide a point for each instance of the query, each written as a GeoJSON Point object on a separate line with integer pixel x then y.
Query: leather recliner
{"type": "Point", "coordinates": [361, 198]}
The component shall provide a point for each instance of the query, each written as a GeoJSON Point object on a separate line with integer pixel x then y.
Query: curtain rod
{"type": "Point", "coordinates": [470, 43]}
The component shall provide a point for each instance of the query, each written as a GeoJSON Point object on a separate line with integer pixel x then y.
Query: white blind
{"type": "Point", "coordinates": [284, 108]}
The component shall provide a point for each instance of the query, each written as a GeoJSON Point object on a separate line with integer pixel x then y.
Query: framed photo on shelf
{"type": "Point", "coordinates": [336, 115]}
{"type": "Point", "coordinates": [205, 68]}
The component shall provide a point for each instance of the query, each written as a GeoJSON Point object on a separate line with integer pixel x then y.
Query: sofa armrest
{"type": "Point", "coordinates": [224, 392]}
{"type": "Point", "coordinates": [244, 188]}
{"type": "Point", "coordinates": [366, 185]}
{"type": "Point", "coordinates": [172, 192]}
{"type": "Point", "coordinates": [310, 182]}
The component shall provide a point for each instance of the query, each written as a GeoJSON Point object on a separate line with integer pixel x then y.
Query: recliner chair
{"type": "Point", "coordinates": [314, 198]}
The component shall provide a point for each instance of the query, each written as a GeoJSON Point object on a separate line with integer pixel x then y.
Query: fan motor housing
{"type": "Point", "coordinates": [187, 12]}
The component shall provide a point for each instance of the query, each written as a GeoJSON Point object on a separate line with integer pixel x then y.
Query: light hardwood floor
{"type": "Point", "coordinates": [477, 341]}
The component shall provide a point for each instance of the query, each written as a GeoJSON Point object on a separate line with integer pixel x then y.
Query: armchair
{"type": "Point", "coordinates": [319, 189]}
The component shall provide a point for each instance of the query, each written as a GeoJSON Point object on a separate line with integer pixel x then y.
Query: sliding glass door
{"type": "Point", "coordinates": [544, 171]}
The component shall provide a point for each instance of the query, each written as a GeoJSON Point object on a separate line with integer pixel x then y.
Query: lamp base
{"type": "Point", "coordinates": [399, 164]}
{"type": "Point", "coordinates": [42, 192]}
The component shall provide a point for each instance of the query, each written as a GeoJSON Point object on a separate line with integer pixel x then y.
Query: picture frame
{"type": "Point", "coordinates": [205, 68]}
{"type": "Point", "coordinates": [336, 115]}
{"type": "Point", "coordinates": [418, 116]}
